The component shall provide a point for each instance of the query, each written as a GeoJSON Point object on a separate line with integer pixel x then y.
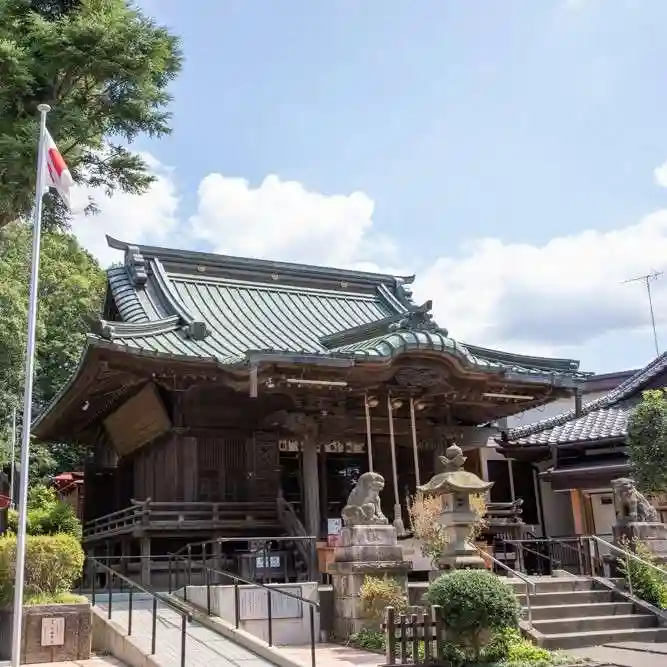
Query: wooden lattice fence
{"type": "Point", "coordinates": [414, 639]}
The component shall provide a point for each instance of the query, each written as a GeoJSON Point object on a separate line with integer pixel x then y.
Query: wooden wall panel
{"type": "Point", "coordinates": [221, 468]}
{"type": "Point", "coordinates": [263, 466]}
{"type": "Point", "coordinates": [166, 471]}
{"type": "Point", "coordinates": [189, 467]}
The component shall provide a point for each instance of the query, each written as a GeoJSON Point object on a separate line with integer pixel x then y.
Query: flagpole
{"type": "Point", "coordinates": [11, 483]}
{"type": "Point", "coordinates": [27, 396]}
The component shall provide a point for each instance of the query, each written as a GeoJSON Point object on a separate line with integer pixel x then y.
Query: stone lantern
{"type": "Point", "coordinates": [455, 486]}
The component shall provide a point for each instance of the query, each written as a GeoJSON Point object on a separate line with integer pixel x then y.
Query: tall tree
{"type": "Point", "coordinates": [105, 69]}
{"type": "Point", "coordinates": [647, 442]}
{"type": "Point", "coordinates": [70, 291]}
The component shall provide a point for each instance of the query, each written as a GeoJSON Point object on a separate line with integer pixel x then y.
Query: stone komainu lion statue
{"type": "Point", "coordinates": [363, 504]}
{"type": "Point", "coordinates": [630, 504]}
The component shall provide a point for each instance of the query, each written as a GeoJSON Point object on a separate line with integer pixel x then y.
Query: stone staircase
{"type": "Point", "coordinates": [576, 612]}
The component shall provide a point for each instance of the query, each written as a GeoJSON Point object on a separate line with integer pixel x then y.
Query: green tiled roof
{"type": "Point", "coordinates": [225, 308]}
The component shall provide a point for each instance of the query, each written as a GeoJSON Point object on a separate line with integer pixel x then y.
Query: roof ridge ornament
{"type": "Point", "coordinates": [419, 318]}
{"type": "Point", "coordinates": [196, 330]}
{"type": "Point", "coordinates": [404, 291]}
{"type": "Point", "coordinates": [136, 266]}
{"type": "Point", "coordinates": [104, 329]}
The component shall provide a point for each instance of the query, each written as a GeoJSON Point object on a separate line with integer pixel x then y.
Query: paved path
{"type": "Point", "coordinates": [628, 654]}
{"type": "Point", "coordinates": [332, 655]}
{"type": "Point", "coordinates": [98, 661]}
{"type": "Point", "coordinates": [93, 662]}
{"type": "Point", "coordinates": [203, 648]}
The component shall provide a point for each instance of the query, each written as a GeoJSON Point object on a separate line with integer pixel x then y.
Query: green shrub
{"type": "Point", "coordinates": [647, 583]}
{"type": "Point", "coordinates": [369, 640]}
{"type": "Point", "coordinates": [52, 564]}
{"type": "Point", "coordinates": [509, 646]}
{"type": "Point", "coordinates": [476, 604]}
{"type": "Point", "coordinates": [46, 514]}
{"type": "Point", "coordinates": [377, 594]}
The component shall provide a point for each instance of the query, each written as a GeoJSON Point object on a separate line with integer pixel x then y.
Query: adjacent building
{"type": "Point", "coordinates": [579, 451]}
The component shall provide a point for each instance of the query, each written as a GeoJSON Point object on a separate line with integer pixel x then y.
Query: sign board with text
{"type": "Point", "coordinates": [53, 631]}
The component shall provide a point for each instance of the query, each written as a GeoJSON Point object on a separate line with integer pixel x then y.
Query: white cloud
{"type": "Point", "coordinates": [146, 218]}
{"type": "Point", "coordinates": [660, 174]}
{"type": "Point", "coordinates": [540, 299]}
{"type": "Point", "coordinates": [283, 220]}
{"type": "Point", "coordinates": [565, 292]}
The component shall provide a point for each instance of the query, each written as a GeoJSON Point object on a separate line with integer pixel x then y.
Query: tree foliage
{"type": "Point", "coordinates": [104, 68]}
{"type": "Point", "coordinates": [47, 515]}
{"type": "Point", "coordinates": [70, 292]}
{"type": "Point", "coordinates": [647, 442]}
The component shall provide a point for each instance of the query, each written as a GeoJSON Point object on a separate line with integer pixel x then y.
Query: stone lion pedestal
{"type": "Point", "coordinates": [368, 546]}
{"type": "Point", "coordinates": [637, 519]}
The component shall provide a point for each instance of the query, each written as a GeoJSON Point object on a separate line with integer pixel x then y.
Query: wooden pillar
{"type": "Point", "coordinates": [217, 561]}
{"type": "Point", "coordinates": [415, 450]}
{"type": "Point", "coordinates": [398, 513]}
{"type": "Point", "coordinates": [324, 495]}
{"type": "Point", "coordinates": [311, 486]}
{"type": "Point", "coordinates": [368, 404]}
{"type": "Point", "coordinates": [124, 556]}
{"type": "Point", "coordinates": [146, 561]}
{"type": "Point", "coordinates": [577, 512]}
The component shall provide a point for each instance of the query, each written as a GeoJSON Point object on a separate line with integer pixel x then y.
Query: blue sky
{"type": "Point", "coordinates": [524, 121]}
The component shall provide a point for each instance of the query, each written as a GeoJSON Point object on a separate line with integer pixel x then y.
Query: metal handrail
{"type": "Point", "coordinates": [312, 606]}
{"type": "Point", "coordinates": [309, 555]}
{"type": "Point", "coordinates": [628, 556]}
{"type": "Point", "coordinates": [155, 596]}
{"type": "Point", "coordinates": [518, 575]}
{"type": "Point", "coordinates": [563, 542]}
{"type": "Point", "coordinates": [223, 540]}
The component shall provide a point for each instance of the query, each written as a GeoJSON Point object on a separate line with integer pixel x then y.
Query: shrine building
{"type": "Point", "coordinates": [224, 397]}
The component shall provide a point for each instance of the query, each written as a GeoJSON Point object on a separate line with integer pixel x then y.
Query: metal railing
{"type": "Point", "coordinates": [530, 585]}
{"type": "Point", "coordinates": [257, 550]}
{"type": "Point", "coordinates": [292, 524]}
{"type": "Point", "coordinates": [559, 552]}
{"type": "Point", "coordinates": [96, 566]}
{"type": "Point", "coordinates": [313, 607]}
{"type": "Point", "coordinates": [627, 556]}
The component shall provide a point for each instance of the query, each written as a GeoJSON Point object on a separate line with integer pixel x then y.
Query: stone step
{"type": "Point", "coordinates": [581, 610]}
{"type": "Point", "coordinates": [554, 584]}
{"type": "Point", "coordinates": [567, 598]}
{"type": "Point", "coordinates": [585, 624]}
{"type": "Point", "coordinates": [572, 640]}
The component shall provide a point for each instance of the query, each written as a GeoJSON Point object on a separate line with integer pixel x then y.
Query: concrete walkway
{"type": "Point", "coordinates": [203, 647]}
{"type": "Point", "coordinates": [626, 654]}
{"type": "Point", "coordinates": [332, 655]}
{"type": "Point", "coordinates": [97, 661]}
{"type": "Point", "coordinates": [93, 662]}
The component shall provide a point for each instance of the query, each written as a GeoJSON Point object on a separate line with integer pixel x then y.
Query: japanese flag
{"type": "Point", "coordinates": [57, 173]}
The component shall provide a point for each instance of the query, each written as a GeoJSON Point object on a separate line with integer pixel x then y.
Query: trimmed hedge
{"type": "Point", "coordinates": [476, 605]}
{"type": "Point", "coordinates": [53, 563]}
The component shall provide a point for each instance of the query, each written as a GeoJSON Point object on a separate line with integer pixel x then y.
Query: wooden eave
{"type": "Point", "coordinates": [108, 374]}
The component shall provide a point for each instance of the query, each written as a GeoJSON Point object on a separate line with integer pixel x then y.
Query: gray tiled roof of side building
{"type": "Point", "coordinates": [602, 418]}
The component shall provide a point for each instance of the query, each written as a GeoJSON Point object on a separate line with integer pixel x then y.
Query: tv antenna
{"type": "Point", "coordinates": [646, 279]}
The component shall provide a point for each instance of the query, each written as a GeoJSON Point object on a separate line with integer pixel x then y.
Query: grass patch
{"type": "Point", "coordinates": [57, 598]}
{"type": "Point", "coordinates": [519, 652]}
